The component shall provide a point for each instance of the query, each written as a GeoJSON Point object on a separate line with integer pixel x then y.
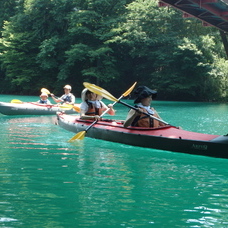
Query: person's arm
{"type": "Point", "coordinates": [130, 117]}
{"type": "Point", "coordinates": [56, 99]}
{"type": "Point", "coordinates": [111, 111]}
{"type": "Point", "coordinates": [158, 122]}
{"type": "Point", "coordinates": [48, 102]}
{"type": "Point", "coordinates": [105, 107]}
{"type": "Point", "coordinates": [83, 110]}
{"type": "Point", "coordinates": [83, 116]}
{"type": "Point", "coordinates": [72, 99]}
{"type": "Point", "coordinates": [86, 117]}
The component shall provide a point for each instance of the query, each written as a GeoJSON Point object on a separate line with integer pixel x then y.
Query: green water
{"type": "Point", "coordinates": [47, 182]}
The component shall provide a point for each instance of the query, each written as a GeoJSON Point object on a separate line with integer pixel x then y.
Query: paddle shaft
{"type": "Point", "coordinates": [102, 114]}
{"type": "Point", "coordinates": [43, 90]}
{"type": "Point", "coordinates": [55, 97]}
{"type": "Point", "coordinates": [81, 134]}
{"type": "Point", "coordinates": [153, 117]}
{"type": "Point", "coordinates": [98, 90]}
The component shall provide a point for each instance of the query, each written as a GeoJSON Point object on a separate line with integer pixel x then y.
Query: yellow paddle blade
{"type": "Point", "coordinates": [16, 101]}
{"type": "Point", "coordinates": [100, 91]}
{"type": "Point", "coordinates": [79, 136]}
{"type": "Point", "coordinates": [69, 106]}
{"type": "Point", "coordinates": [129, 90]}
{"type": "Point", "coordinates": [43, 90]}
{"type": "Point", "coordinates": [66, 106]}
{"type": "Point", "coordinates": [76, 108]}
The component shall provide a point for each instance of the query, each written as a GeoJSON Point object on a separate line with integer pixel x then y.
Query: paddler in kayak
{"type": "Point", "coordinates": [66, 98]}
{"type": "Point", "coordinates": [144, 97]}
{"type": "Point", "coordinates": [92, 106]}
{"type": "Point", "coordinates": [44, 99]}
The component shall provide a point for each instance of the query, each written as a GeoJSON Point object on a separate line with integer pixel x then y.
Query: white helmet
{"type": "Point", "coordinates": [67, 87]}
{"type": "Point", "coordinates": [43, 95]}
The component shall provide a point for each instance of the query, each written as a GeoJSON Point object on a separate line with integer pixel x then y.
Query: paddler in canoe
{"type": "Point", "coordinates": [144, 97]}
{"type": "Point", "coordinates": [92, 106]}
{"type": "Point", "coordinates": [44, 99]}
{"type": "Point", "coordinates": [66, 98]}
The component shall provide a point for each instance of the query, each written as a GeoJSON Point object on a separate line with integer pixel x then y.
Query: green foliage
{"type": "Point", "coordinates": [33, 46]}
{"type": "Point", "coordinates": [7, 9]}
{"type": "Point", "coordinates": [219, 78]}
{"type": "Point", "coordinates": [48, 43]}
{"type": "Point", "coordinates": [161, 54]}
{"type": "Point", "coordinates": [185, 74]}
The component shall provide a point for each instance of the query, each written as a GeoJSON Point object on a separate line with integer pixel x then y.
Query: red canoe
{"type": "Point", "coordinates": [165, 138]}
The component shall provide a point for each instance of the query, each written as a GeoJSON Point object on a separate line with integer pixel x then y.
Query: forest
{"type": "Point", "coordinates": [112, 43]}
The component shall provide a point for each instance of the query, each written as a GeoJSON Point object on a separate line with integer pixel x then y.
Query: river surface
{"type": "Point", "coordinates": [47, 182]}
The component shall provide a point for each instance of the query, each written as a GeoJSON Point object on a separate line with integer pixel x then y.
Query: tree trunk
{"type": "Point", "coordinates": [225, 42]}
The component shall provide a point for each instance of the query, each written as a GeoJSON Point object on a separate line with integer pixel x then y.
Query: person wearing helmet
{"type": "Point", "coordinates": [144, 97]}
{"type": "Point", "coordinates": [44, 99]}
{"type": "Point", "coordinates": [67, 97]}
{"type": "Point", "coordinates": [92, 106]}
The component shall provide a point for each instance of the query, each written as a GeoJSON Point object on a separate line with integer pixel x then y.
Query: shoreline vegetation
{"type": "Point", "coordinates": [111, 44]}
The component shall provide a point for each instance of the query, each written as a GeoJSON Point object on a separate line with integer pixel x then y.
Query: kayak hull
{"type": "Point", "coordinates": [31, 108]}
{"type": "Point", "coordinates": [164, 138]}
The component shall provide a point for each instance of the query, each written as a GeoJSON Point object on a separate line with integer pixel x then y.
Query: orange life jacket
{"type": "Point", "coordinates": [92, 110]}
{"type": "Point", "coordinates": [144, 120]}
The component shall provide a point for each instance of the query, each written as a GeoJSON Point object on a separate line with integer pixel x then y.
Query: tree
{"type": "Point", "coordinates": [7, 10]}
{"type": "Point", "coordinates": [185, 75]}
{"type": "Point", "coordinates": [113, 42]}
{"type": "Point", "coordinates": [92, 25]}
{"type": "Point", "coordinates": [59, 41]}
{"type": "Point", "coordinates": [163, 57]}
{"type": "Point", "coordinates": [30, 42]}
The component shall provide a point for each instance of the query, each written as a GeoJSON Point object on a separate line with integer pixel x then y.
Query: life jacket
{"type": "Point", "coordinates": [67, 98]}
{"type": "Point", "coordinates": [143, 120]}
{"type": "Point", "coordinates": [43, 101]}
{"type": "Point", "coordinates": [92, 110]}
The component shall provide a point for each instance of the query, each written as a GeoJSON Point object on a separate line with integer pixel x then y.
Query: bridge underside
{"type": "Point", "coordinates": [210, 12]}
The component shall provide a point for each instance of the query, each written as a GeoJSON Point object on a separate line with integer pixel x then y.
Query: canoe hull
{"type": "Point", "coordinates": [166, 138]}
{"type": "Point", "coordinates": [31, 108]}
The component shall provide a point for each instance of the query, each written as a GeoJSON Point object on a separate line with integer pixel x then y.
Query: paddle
{"type": "Point", "coordinates": [80, 135]}
{"type": "Point", "coordinates": [63, 106]}
{"type": "Point", "coordinates": [69, 106]}
{"type": "Point", "coordinates": [15, 101]}
{"type": "Point", "coordinates": [43, 90]}
{"type": "Point", "coordinates": [98, 90]}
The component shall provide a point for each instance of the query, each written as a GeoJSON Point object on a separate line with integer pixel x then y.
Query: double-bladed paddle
{"type": "Point", "coordinates": [69, 106]}
{"type": "Point", "coordinates": [80, 135]}
{"type": "Point", "coordinates": [63, 106]}
{"type": "Point", "coordinates": [43, 90]}
{"type": "Point", "coordinates": [15, 101]}
{"type": "Point", "coordinates": [100, 91]}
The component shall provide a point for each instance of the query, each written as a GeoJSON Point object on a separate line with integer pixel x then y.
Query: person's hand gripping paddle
{"type": "Point", "coordinates": [80, 135]}
{"type": "Point", "coordinates": [62, 106]}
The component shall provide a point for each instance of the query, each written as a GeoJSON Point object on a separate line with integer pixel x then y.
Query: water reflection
{"type": "Point", "coordinates": [103, 186]}
{"type": "Point", "coordinates": [47, 182]}
{"type": "Point", "coordinates": [31, 133]}
{"type": "Point", "coordinates": [117, 184]}
{"type": "Point", "coordinates": [104, 183]}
